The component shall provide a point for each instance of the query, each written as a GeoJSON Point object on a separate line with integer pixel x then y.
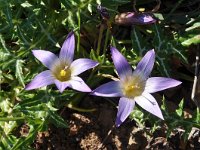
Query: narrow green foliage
{"type": "Point", "coordinates": [179, 111]}
{"type": "Point", "coordinates": [57, 120]}
{"type": "Point", "coordinates": [138, 116]}
{"type": "Point", "coordinates": [19, 73]}
{"type": "Point", "coordinates": [176, 119]}
{"type": "Point", "coordinates": [191, 36]}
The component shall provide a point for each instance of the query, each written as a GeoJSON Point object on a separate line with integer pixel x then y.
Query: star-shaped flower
{"type": "Point", "coordinates": [63, 70]}
{"type": "Point", "coordinates": [135, 86]}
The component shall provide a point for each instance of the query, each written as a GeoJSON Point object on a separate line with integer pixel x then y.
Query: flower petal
{"type": "Point", "coordinates": [155, 84]}
{"type": "Point", "coordinates": [148, 102]}
{"type": "Point", "coordinates": [145, 66]}
{"type": "Point", "coordinates": [126, 106]}
{"type": "Point", "coordinates": [46, 57]}
{"type": "Point", "coordinates": [132, 18]}
{"type": "Point", "coordinates": [120, 62]}
{"type": "Point", "coordinates": [80, 65]}
{"type": "Point", "coordinates": [61, 85]}
{"type": "Point", "coordinates": [67, 50]}
{"type": "Point", "coordinates": [110, 89]}
{"type": "Point", "coordinates": [43, 79]}
{"type": "Point", "coordinates": [78, 84]}
{"type": "Point", "coordinates": [146, 19]}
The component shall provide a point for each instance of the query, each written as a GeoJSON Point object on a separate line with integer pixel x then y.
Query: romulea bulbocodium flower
{"type": "Point", "coordinates": [62, 70]}
{"type": "Point", "coordinates": [135, 86]}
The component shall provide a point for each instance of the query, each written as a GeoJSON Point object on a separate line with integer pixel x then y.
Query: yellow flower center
{"type": "Point", "coordinates": [132, 86]}
{"type": "Point", "coordinates": [64, 74]}
{"type": "Point", "coordinates": [61, 71]}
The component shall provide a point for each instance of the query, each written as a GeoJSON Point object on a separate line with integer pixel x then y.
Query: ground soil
{"type": "Point", "coordinates": [90, 131]}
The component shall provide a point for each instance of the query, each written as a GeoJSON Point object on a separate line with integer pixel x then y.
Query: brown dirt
{"type": "Point", "coordinates": [88, 131]}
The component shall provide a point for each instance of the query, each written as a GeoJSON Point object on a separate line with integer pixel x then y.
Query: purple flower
{"type": "Point", "coordinates": [63, 70]}
{"type": "Point", "coordinates": [132, 18]}
{"type": "Point", "coordinates": [135, 86]}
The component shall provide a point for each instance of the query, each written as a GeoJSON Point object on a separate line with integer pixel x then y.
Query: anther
{"type": "Point", "coordinates": [66, 67]}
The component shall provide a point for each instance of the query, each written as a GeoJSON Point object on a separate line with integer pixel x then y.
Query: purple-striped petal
{"type": "Point", "coordinates": [110, 89]}
{"type": "Point", "coordinates": [46, 57]}
{"type": "Point", "coordinates": [148, 102]}
{"type": "Point", "coordinates": [147, 19]}
{"type": "Point", "coordinates": [156, 84]}
{"type": "Point", "coordinates": [145, 66]}
{"type": "Point", "coordinates": [43, 79]}
{"type": "Point", "coordinates": [67, 50]}
{"type": "Point", "coordinates": [78, 84]}
{"type": "Point", "coordinates": [132, 18]}
{"type": "Point", "coordinates": [126, 106]}
{"type": "Point", "coordinates": [120, 62]}
{"type": "Point", "coordinates": [61, 85]}
{"type": "Point", "coordinates": [80, 65]}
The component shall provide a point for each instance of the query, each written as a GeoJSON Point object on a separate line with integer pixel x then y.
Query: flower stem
{"type": "Point", "coordinates": [71, 106]}
{"type": "Point", "coordinates": [11, 119]}
{"type": "Point", "coordinates": [99, 40]}
{"type": "Point", "coordinates": [79, 30]}
{"type": "Point", "coordinates": [106, 44]}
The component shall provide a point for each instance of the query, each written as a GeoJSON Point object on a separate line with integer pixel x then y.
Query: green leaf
{"type": "Point", "coordinates": [8, 13]}
{"type": "Point", "coordinates": [138, 116]}
{"type": "Point", "coordinates": [26, 4]}
{"type": "Point", "coordinates": [194, 26]}
{"type": "Point", "coordinates": [18, 71]}
{"type": "Point", "coordinates": [6, 140]}
{"type": "Point", "coordinates": [187, 132]}
{"type": "Point", "coordinates": [193, 40]}
{"type": "Point", "coordinates": [137, 42]}
{"type": "Point", "coordinates": [93, 55]}
{"type": "Point", "coordinates": [22, 36]}
{"type": "Point", "coordinates": [3, 56]}
{"type": "Point", "coordinates": [197, 116]}
{"type": "Point", "coordinates": [164, 106]}
{"type": "Point", "coordinates": [57, 120]}
{"type": "Point", "coordinates": [3, 45]}
{"type": "Point", "coordinates": [90, 8]}
{"type": "Point", "coordinates": [5, 105]}
{"type": "Point", "coordinates": [28, 103]}
{"type": "Point", "coordinates": [179, 111]}
{"type": "Point", "coordinates": [159, 16]}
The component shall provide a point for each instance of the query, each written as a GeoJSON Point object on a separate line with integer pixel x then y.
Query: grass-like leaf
{"type": "Point", "coordinates": [57, 120]}
{"type": "Point", "coordinates": [18, 71]}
